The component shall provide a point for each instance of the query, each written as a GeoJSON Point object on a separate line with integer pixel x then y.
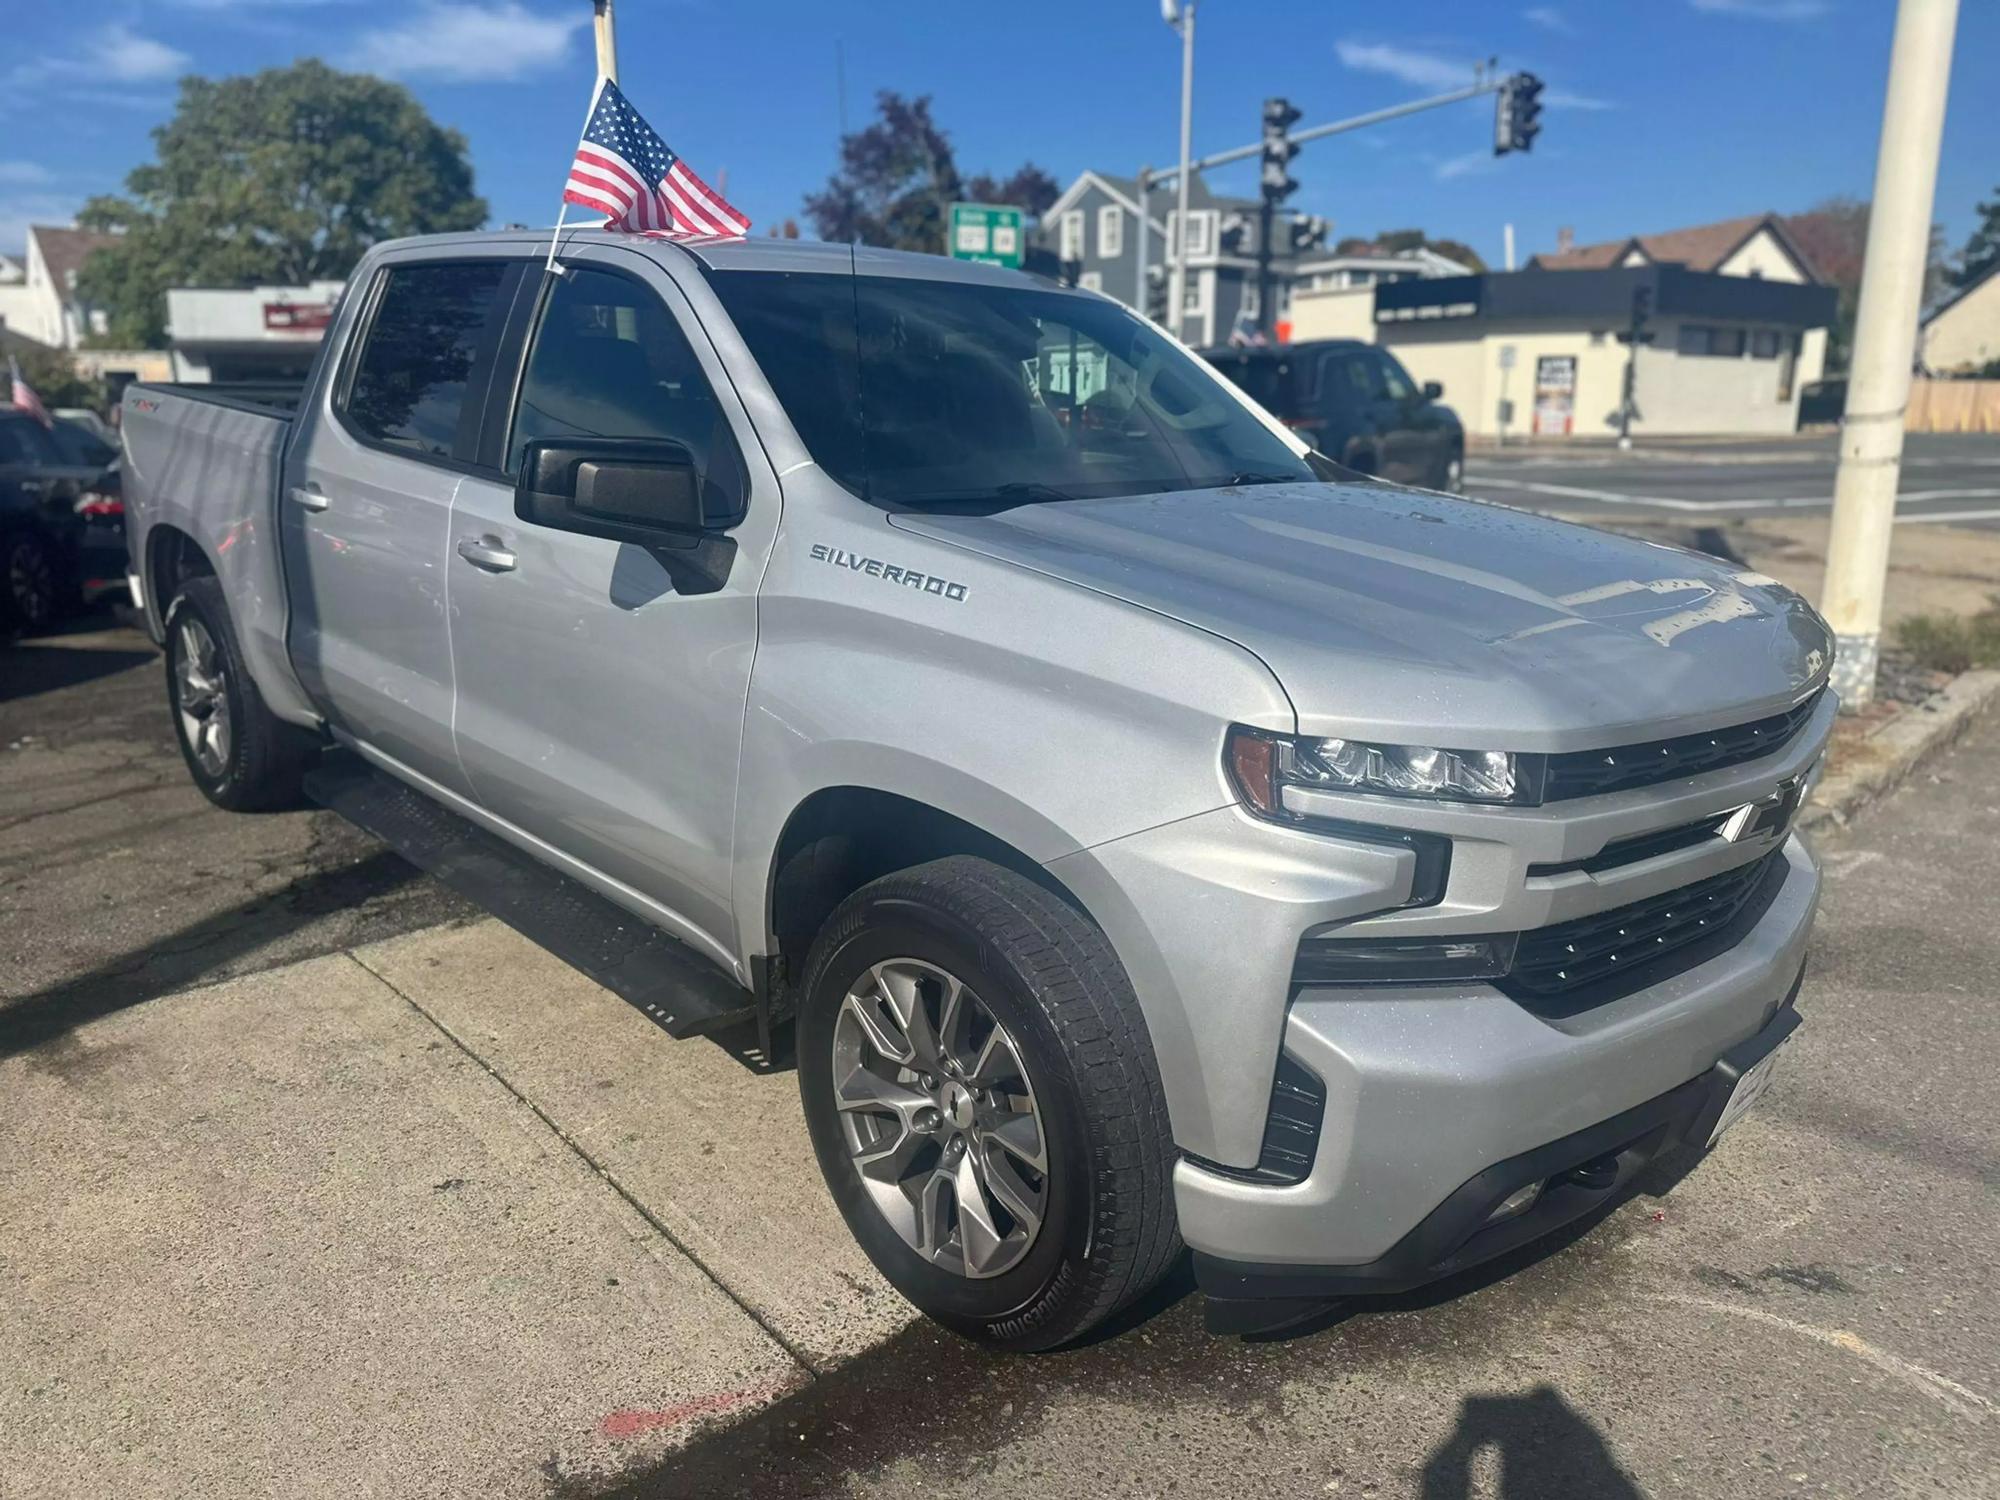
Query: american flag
{"type": "Point", "coordinates": [625, 171]}
{"type": "Point", "coordinates": [25, 398]}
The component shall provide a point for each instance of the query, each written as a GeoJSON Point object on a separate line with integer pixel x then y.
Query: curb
{"type": "Point", "coordinates": [1881, 761]}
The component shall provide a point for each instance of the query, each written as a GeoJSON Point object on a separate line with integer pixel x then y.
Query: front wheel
{"type": "Point", "coordinates": [1453, 481]}
{"type": "Point", "coordinates": [985, 1105]}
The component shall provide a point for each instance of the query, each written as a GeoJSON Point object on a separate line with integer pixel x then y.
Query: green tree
{"type": "Point", "coordinates": [275, 178]}
{"type": "Point", "coordinates": [1982, 251]}
{"type": "Point", "coordinates": [1396, 241]}
{"type": "Point", "coordinates": [898, 180]}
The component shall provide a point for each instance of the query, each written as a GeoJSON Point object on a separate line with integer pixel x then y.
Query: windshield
{"type": "Point", "coordinates": [915, 393]}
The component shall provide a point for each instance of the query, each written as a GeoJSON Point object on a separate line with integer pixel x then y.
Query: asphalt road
{"type": "Point", "coordinates": [1944, 479]}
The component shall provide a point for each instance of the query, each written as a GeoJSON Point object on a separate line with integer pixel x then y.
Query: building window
{"type": "Point", "coordinates": [1111, 231]}
{"type": "Point", "coordinates": [1091, 281]}
{"type": "Point", "coordinates": [1764, 343]}
{"type": "Point", "coordinates": [1701, 338]}
{"type": "Point", "coordinates": [1071, 246]}
{"type": "Point", "coordinates": [1200, 232]}
{"type": "Point", "coordinates": [1192, 299]}
{"type": "Point", "coordinates": [1253, 302]}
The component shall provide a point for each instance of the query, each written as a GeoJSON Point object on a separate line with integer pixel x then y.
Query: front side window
{"type": "Point", "coordinates": [917, 392]}
{"type": "Point", "coordinates": [609, 360]}
{"type": "Point", "coordinates": [410, 382]}
{"type": "Point", "coordinates": [1396, 382]}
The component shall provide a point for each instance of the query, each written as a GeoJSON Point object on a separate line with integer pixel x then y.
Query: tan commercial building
{"type": "Point", "coordinates": [1961, 336]}
{"type": "Point", "coordinates": [1736, 317]}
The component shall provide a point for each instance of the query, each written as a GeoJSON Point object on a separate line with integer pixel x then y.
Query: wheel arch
{"type": "Point", "coordinates": [173, 556]}
{"type": "Point", "coordinates": [840, 837]}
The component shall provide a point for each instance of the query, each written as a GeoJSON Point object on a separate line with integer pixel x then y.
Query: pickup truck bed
{"type": "Point", "coordinates": [204, 462]}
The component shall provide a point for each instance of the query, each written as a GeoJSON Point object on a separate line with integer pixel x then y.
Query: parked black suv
{"type": "Point", "coordinates": [1357, 405]}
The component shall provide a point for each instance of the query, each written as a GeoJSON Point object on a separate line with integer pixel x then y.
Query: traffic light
{"type": "Point", "coordinates": [1308, 234]}
{"type": "Point", "coordinates": [1642, 311]}
{"type": "Point", "coordinates": [1517, 113]}
{"type": "Point", "coordinates": [1279, 117]}
{"type": "Point", "coordinates": [1156, 293]}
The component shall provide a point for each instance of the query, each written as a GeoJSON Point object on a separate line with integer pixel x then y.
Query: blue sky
{"type": "Point", "coordinates": [1662, 113]}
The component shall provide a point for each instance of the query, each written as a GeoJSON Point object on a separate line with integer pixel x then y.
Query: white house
{"type": "Point", "coordinates": [43, 303]}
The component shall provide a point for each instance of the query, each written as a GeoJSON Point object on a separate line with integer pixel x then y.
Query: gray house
{"type": "Point", "coordinates": [1096, 223]}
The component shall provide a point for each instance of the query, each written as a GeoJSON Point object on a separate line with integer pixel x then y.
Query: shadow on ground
{"type": "Point", "coordinates": [27, 670]}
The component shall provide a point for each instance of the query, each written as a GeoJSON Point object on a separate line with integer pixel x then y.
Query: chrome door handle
{"type": "Point", "coordinates": [486, 552]}
{"type": "Point", "coordinates": [308, 497]}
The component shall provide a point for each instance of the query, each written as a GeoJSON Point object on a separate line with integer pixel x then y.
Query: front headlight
{"type": "Point", "coordinates": [1262, 765]}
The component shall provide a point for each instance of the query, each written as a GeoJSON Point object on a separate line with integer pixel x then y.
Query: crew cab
{"type": "Point", "coordinates": [1150, 833]}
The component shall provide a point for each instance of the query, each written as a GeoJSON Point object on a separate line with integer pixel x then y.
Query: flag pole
{"type": "Point", "coordinates": [562, 214]}
{"type": "Point", "coordinates": [607, 40]}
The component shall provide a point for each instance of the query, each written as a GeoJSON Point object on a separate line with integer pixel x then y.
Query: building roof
{"type": "Point", "coordinates": [1703, 247]}
{"type": "Point", "coordinates": [1959, 294]}
{"type": "Point", "coordinates": [65, 250]}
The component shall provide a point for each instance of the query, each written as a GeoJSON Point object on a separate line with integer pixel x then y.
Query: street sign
{"type": "Point", "coordinates": [988, 232]}
{"type": "Point", "coordinates": [1507, 352]}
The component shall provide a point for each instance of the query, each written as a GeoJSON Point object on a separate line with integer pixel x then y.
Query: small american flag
{"type": "Point", "coordinates": [625, 171]}
{"type": "Point", "coordinates": [25, 398]}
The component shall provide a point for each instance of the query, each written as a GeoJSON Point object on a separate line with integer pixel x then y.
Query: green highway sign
{"type": "Point", "coordinates": [989, 232]}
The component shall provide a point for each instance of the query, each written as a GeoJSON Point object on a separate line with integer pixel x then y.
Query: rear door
{"type": "Point", "coordinates": [366, 505]}
{"type": "Point", "coordinates": [601, 684]}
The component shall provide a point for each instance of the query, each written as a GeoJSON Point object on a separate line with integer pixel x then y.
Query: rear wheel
{"type": "Point", "coordinates": [1452, 482]}
{"type": "Point", "coordinates": [239, 753]}
{"type": "Point", "coordinates": [985, 1105]}
{"type": "Point", "coordinates": [33, 578]}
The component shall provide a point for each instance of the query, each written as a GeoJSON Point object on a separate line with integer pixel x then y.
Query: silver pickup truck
{"type": "Point", "coordinates": [1148, 833]}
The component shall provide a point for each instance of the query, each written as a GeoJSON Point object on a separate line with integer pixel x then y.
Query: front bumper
{"type": "Point", "coordinates": [1578, 1175]}
{"type": "Point", "coordinates": [1432, 1089]}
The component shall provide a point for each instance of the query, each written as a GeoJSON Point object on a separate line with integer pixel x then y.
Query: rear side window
{"type": "Point", "coordinates": [1347, 381]}
{"type": "Point", "coordinates": [431, 326]}
{"type": "Point", "coordinates": [23, 441]}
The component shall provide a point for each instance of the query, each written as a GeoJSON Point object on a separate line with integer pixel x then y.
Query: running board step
{"type": "Point", "coordinates": [674, 987]}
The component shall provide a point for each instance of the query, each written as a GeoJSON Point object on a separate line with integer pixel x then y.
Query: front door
{"type": "Point", "coordinates": [601, 684]}
{"type": "Point", "coordinates": [366, 508]}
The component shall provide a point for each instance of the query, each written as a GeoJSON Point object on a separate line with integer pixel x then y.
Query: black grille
{"type": "Point", "coordinates": [1560, 959]}
{"type": "Point", "coordinates": [1584, 773]}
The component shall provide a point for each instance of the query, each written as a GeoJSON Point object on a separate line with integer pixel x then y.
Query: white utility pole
{"type": "Point", "coordinates": [1885, 339]}
{"type": "Point", "coordinates": [1179, 14]}
{"type": "Point", "coordinates": [1510, 246]}
{"type": "Point", "coordinates": [607, 40]}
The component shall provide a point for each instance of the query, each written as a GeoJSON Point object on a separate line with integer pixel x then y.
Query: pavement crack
{"type": "Point", "coordinates": [797, 1355]}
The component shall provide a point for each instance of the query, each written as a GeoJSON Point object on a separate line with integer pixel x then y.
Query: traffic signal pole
{"type": "Point", "coordinates": [1885, 335]}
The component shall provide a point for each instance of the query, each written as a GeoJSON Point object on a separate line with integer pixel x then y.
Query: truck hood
{"type": "Point", "coordinates": [1411, 617]}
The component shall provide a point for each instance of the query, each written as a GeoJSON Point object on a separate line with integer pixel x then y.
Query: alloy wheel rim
{"type": "Point", "coordinates": [30, 580]}
{"type": "Point", "coordinates": [940, 1118]}
{"type": "Point", "coordinates": [201, 696]}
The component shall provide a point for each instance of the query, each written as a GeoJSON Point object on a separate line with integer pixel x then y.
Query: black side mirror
{"type": "Point", "coordinates": [637, 490]}
{"type": "Point", "coordinates": [1432, 390]}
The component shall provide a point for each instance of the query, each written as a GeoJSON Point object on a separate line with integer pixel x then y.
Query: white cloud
{"type": "Point", "coordinates": [1549, 19]}
{"type": "Point", "coordinates": [120, 53]}
{"type": "Point", "coordinates": [468, 42]}
{"type": "Point", "coordinates": [1564, 99]}
{"type": "Point", "coordinates": [1764, 10]}
{"type": "Point", "coordinates": [15, 173]}
{"type": "Point", "coordinates": [1465, 165]}
{"type": "Point", "coordinates": [1422, 69]}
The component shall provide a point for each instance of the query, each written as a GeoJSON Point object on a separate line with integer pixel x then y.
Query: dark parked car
{"type": "Point", "coordinates": [1357, 405]}
{"type": "Point", "coordinates": [62, 520]}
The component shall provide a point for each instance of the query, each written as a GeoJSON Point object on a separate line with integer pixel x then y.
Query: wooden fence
{"type": "Point", "coordinates": [1953, 406]}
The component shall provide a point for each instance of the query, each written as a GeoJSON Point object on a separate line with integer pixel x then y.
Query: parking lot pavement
{"type": "Point", "coordinates": [1945, 480]}
{"type": "Point", "coordinates": [119, 882]}
{"type": "Point", "coordinates": [282, 1237]}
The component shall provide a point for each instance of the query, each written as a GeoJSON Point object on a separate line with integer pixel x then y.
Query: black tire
{"type": "Point", "coordinates": [1051, 979]}
{"type": "Point", "coordinates": [261, 758]}
{"type": "Point", "coordinates": [32, 581]}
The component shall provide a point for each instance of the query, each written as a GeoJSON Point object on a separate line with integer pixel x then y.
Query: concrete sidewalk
{"type": "Point", "coordinates": [433, 1216]}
